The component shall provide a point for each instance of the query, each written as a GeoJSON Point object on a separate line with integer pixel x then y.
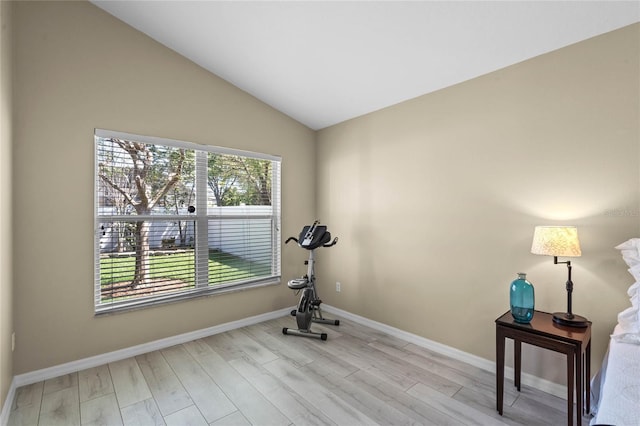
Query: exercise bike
{"type": "Point", "coordinates": [308, 310]}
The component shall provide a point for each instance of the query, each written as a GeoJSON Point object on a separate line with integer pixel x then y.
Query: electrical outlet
{"type": "Point", "coordinates": [13, 342]}
{"type": "Point", "coordinates": [338, 286]}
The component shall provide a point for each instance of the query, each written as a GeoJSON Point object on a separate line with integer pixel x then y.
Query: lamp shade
{"type": "Point", "coordinates": [561, 241]}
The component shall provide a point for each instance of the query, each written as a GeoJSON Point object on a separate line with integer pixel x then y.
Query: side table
{"type": "Point", "coordinates": [574, 342]}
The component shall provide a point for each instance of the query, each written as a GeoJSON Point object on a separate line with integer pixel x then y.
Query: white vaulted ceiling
{"type": "Point", "coordinates": [323, 62]}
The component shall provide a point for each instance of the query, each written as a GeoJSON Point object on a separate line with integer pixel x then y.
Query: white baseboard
{"type": "Point", "coordinates": [6, 407]}
{"type": "Point", "coordinates": [95, 361]}
{"type": "Point", "coordinates": [527, 379]}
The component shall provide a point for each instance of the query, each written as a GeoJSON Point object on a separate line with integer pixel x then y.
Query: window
{"type": "Point", "coordinates": [177, 220]}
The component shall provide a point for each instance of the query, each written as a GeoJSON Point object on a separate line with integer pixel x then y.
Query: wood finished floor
{"type": "Point", "coordinates": [258, 376]}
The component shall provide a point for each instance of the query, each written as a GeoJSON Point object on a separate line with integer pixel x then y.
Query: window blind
{"type": "Point", "coordinates": [177, 220]}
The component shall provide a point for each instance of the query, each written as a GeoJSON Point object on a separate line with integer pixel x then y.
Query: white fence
{"type": "Point", "coordinates": [239, 230]}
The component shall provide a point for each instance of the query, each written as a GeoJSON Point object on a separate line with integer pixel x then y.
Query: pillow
{"type": "Point", "coordinates": [631, 244]}
{"type": "Point", "coordinates": [628, 329]}
{"type": "Point", "coordinates": [630, 251]}
{"type": "Point", "coordinates": [628, 320]}
{"type": "Point", "coordinates": [631, 257]}
{"type": "Point", "coordinates": [635, 271]}
{"type": "Point", "coordinates": [634, 292]}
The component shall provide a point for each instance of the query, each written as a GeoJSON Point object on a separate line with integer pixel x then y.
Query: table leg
{"type": "Point", "coordinates": [571, 356]}
{"type": "Point", "coordinates": [499, 369]}
{"type": "Point", "coordinates": [587, 380]}
{"type": "Point", "coordinates": [517, 362]}
{"type": "Point", "coordinates": [579, 395]}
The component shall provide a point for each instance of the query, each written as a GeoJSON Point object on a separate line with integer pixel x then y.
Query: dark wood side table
{"type": "Point", "coordinates": [574, 342]}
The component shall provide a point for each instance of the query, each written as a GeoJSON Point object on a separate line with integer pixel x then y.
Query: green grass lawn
{"type": "Point", "coordinates": [179, 266]}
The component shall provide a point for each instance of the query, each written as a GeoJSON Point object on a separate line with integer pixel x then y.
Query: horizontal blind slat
{"type": "Point", "coordinates": [151, 253]}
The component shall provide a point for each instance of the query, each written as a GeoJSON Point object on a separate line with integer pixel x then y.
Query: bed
{"type": "Point", "coordinates": [615, 390]}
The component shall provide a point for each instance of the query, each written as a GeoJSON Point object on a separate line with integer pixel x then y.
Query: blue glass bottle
{"type": "Point", "coordinates": [522, 299]}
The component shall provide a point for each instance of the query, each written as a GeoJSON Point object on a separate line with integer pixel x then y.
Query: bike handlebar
{"type": "Point", "coordinates": [333, 243]}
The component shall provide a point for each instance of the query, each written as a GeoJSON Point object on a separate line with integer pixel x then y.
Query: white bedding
{"type": "Point", "coordinates": [616, 388]}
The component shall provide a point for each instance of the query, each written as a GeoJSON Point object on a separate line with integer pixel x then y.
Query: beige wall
{"type": "Point", "coordinates": [435, 199]}
{"type": "Point", "coordinates": [6, 286]}
{"type": "Point", "coordinates": [77, 68]}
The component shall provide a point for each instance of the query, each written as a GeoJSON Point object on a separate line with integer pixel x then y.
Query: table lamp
{"type": "Point", "coordinates": [560, 241]}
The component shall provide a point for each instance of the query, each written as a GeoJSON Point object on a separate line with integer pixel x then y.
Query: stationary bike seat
{"type": "Point", "coordinates": [298, 283]}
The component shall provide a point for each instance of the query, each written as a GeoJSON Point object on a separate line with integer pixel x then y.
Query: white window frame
{"type": "Point", "coordinates": [202, 217]}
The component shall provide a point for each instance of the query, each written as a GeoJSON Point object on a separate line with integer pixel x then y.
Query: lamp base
{"type": "Point", "coordinates": [563, 318]}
